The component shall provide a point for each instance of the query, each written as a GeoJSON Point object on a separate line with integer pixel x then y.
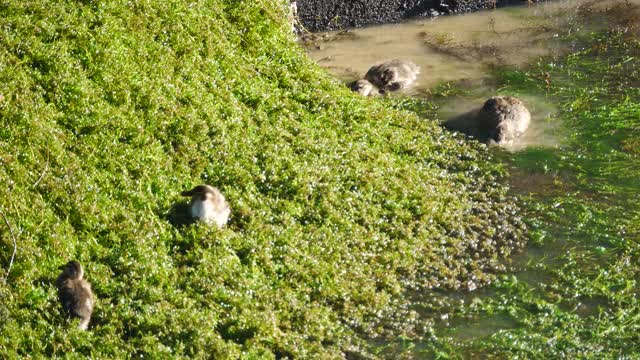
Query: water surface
{"type": "Point", "coordinates": [450, 48]}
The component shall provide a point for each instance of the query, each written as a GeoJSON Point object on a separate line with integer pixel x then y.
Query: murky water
{"type": "Point", "coordinates": [455, 49]}
{"type": "Point", "coordinates": [449, 48]}
{"type": "Point", "coordinates": [446, 48]}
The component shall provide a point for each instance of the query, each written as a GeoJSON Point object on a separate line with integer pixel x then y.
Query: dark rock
{"type": "Point", "coordinates": [320, 15]}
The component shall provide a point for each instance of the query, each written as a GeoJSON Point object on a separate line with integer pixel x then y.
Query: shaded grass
{"type": "Point", "coordinates": [109, 109]}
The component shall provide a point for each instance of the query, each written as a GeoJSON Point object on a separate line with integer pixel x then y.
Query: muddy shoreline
{"type": "Point", "coordinates": [321, 15]}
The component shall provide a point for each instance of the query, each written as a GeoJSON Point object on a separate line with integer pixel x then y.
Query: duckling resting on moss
{"type": "Point", "coordinates": [208, 205]}
{"type": "Point", "coordinates": [75, 293]}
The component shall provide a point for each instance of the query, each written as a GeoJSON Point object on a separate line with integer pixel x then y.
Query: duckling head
{"type": "Point", "coordinates": [364, 88]}
{"type": "Point", "coordinates": [202, 192]}
{"type": "Point", "coordinates": [72, 270]}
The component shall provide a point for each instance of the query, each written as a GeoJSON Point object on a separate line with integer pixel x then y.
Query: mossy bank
{"type": "Point", "coordinates": [110, 109]}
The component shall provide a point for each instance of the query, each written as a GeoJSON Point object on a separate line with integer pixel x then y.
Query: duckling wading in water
{"type": "Point", "coordinates": [208, 205]}
{"type": "Point", "coordinates": [501, 120]}
{"type": "Point", "coordinates": [391, 75]}
{"type": "Point", "coordinates": [505, 118]}
{"type": "Point", "coordinates": [364, 88]}
{"type": "Point", "coordinates": [75, 293]}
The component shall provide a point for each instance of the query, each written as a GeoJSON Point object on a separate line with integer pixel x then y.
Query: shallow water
{"type": "Point", "coordinates": [454, 49]}
{"type": "Point", "coordinates": [462, 50]}
{"type": "Point", "coordinates": [543, 130]}
{"type": "Point", "coordinates": [449, 48]}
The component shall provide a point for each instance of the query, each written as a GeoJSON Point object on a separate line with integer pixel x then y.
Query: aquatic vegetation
{"type": "Point", "coordinates": [589, 306]}
{"type": "Point", "coordinates": [110, 109]}
{"type": "Point", "coordinates": [574, 294]}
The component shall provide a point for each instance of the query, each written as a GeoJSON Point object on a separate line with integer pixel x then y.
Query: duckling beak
{"type": "Point", "coordinates": [61, 267]}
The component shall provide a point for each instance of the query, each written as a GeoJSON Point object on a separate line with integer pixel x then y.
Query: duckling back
{"type": "Point", "coordinates": [505, 118]}
{"type": "Point", "coordinates": [208, 205]}
{"type": "Point", "coordinates": [215, 211]}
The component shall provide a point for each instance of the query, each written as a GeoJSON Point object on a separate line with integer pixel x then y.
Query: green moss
{"type": "Point", "coordinates": [109, 109]}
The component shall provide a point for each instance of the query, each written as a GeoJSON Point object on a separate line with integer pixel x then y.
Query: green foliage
{"type": "Point", "coordinates": [110, 108]}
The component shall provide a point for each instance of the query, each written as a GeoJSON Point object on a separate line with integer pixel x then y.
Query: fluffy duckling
{"type": "Point", "coordinates": [393, 75]}
{"type": "Point", "coordinates": [208, 205]}
{"type": "Point", "coordinates": [75, 293]}
{"type": "Point", "coordinates": [364, 88]}
{"type": "Point", "coordinates": [505, 118]}
{"type": "Point", "coordinates": [500, 121]}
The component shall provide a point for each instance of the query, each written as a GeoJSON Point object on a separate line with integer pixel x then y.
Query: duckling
{"type": "Point", "coordinates": [505, 118]}
{"type": "Point", "coordinates": [393, 75]}
{"type": "Point", "coordinates": [500, 121]}
{"type": "Point", "coordinates": [208, 205]}
{"type": "Point", "coordinates": [75, 293]}
{"type": "Point", "coordinates": [364, 88]}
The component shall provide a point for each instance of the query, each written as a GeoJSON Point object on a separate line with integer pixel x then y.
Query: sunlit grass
{"type": "Point", "coordinates": [110, 109]}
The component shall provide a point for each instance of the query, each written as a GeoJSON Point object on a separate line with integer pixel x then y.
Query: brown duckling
{"type": "Point", "coordinates": [75, 293]}
{"type": "Point", "coordinates": [505, 118]}
{"type": "Point", "coordinates": [393, 75]}
{"type": "Point", "coordinates": [501, 120]}
{"type": "Point", "coordinates": [208, 205]}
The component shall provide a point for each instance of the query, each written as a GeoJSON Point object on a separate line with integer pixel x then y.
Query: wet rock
{"type": "Point", "coordinates": [293, 15]}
